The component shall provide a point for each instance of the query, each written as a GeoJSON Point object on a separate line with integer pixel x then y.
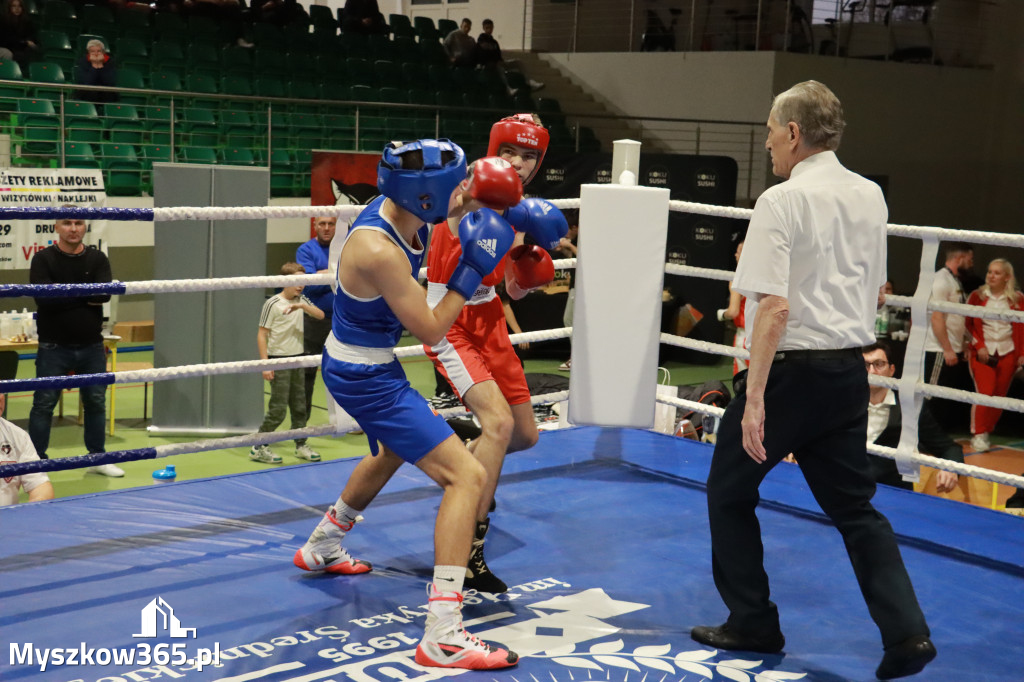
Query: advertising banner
{"type": "Point", "coordinates": [42, 187]}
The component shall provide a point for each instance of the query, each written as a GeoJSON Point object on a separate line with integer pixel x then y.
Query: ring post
{"type": "Point", "coordinates": [620, 276]}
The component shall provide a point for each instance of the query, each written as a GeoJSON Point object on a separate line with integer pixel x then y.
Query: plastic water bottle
{"type": "Point", "coordinates": [165, 475]}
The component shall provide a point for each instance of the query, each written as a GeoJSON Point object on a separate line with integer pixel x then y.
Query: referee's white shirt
{"type": "Point", "coordinates": [819, 241]}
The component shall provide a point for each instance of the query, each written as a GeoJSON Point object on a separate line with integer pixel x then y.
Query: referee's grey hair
{"type": "Point", "coordinates": [95, 43]}
{"type": "Point", "coordinates": [816, 111]}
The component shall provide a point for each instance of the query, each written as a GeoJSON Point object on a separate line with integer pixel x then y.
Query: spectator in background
{"type": "Point", "coordinates": [488, 53]}
{"type": "Point", "coordinates": [362, 16]}
{"type": "Point", "coordinates": [70, 335]}
{"type": "Point", "coordinates": [885, 423]}
{"type": "Point", "coordinates": [460, 46]}
{"type": "Point", "coordinates": [18, 35]}
{"type": "Point", "coordinates": [996, 348]}
{"type": "Point", "coordinates": [737, 313]}
{"type": "Point", "coordinates": [280, 336]}
{"type": "Point", "coordinates": [96, 67]}
{"type": "Point", "coordinates": [944, 345]}
{"type": "Point", "coordinates": [15, 447]}
{"type": "Point", "coordinates": [314, 257]}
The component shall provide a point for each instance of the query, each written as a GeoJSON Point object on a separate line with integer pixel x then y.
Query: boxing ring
{"type": "Point", "coordinates": [600, 532]}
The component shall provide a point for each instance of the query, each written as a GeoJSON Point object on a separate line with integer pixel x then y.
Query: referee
{"type": "Point", "coordinates": [813, 264]}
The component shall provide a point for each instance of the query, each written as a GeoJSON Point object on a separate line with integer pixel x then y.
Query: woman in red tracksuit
{"type": "Point", "coordinates": [996, 349]}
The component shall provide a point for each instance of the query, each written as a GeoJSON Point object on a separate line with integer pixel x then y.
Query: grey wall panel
{"type": "Point", "coordinates": [207, 327]}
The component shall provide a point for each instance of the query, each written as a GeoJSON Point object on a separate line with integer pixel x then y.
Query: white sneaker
{"type": "Point", "coordinates": [111, 470]}
{"type": "Point", "coordinates": [307, 453]}
{"type": "Point", "coordinates": [565, 366]}
{"type": "Point", "coordinates": [980, 442]}
{"type": "Point", "coordinates": [534, 85]}
{"type": "Point", "coordinates": [263, 453]}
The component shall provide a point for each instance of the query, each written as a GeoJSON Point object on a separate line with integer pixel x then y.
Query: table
{"type": "Point", "coordinates": [110, 342]}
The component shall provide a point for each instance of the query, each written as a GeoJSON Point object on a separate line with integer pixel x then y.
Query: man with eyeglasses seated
{"type": "Point", "coordinates": [885, 421]}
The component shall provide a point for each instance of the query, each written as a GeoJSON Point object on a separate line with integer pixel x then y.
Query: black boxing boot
{"type": "Point", "coordinates": [478, 575]}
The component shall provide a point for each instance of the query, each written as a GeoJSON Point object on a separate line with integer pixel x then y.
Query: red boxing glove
{"type": "Point", "coordinates": [494, 183]}
{"type": "Point", "coordinates": [528, 267]}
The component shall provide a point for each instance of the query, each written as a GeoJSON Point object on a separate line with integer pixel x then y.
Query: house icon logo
{"type": "Point", "coordinates": [157, 616]}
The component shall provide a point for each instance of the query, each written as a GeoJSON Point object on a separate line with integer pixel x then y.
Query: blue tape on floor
{"type": "Point", "coordinates": [601, 534]}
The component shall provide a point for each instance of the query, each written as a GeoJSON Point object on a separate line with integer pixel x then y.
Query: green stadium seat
{"type": "Point", "coordinates": [322, 15]}
{"type": "Point", "coordinates": [96, 19]}
{"type": "Point", "coordinates": [133, 53]}
{"type": "Point", "coordinates": [269, 87]}
{"type": "Point", "coordinates": [238, 156]}
{"type": "Point", "coordinates": [282, 172]}
{"type": "Point", "coordinates": [131, 78]}
{"type": "Point", "coordinates": [236, 85]}
{"type": "Point", "coordinates": [203, 29]}
{"type": "Point", "coordinates": [158, 124]}
{"type": "Point", "coordinates": [236, 60]}
{"type": "Point", "coordinates": [405, 49]}
{"type": "Point", "coordinates": [123, 169]}
{"type": "Point", "coordinates": [269, 62]}
{"type": "Point", "coordinates": [82, 116]}
{"type": "Point", "coordinates": [123, 123]}
{"type": "Point", "coordinates": [380, 47]}
{"type": "Point", "coordinates": [56, 46]}
{"type": "Point", "coordinates": [59, 16]}
{"type": "Point", "coordinates": [46, 72]}
{"type": "Point", "coordinates": [9, 94]}
{"type": "Point", "coordinates": [201, 83]}
{"type": "Point", "coordinates": [425, 29]}
{"type": "Point", "coordinates": [446, 26]}
{"type": "Point", "coordinates": [165, 54]}
{"type": "Point", "coordinates": [401, 25]}
{"type": "Point", "coordinates": [267, 35]}
{"type": "Point", "coordinates": [134, 22]}
{"type": "Point", "coordinates": [169, 81]}
{"type": "Point", "coordinates": [79, 155]}
{"type": "Point", "coordinates": [204, 155]}
{"type": "Point", "coordinates": [170, 25]}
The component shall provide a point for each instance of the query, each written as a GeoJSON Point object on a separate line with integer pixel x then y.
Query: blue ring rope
{"type": "Point", "coordinates": [79, 212]}
{"type": "Point", "coordinates": [57, 382]}
{"type": "Point", "coordinates": [62, 290]}
{"type": "Point", "coordinates": [64, 463]}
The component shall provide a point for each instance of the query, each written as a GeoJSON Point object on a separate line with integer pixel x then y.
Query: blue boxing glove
{"type": "Point", "coordinates": [485, 238]}
{"type": "Point", "coordinates": [539, 219]}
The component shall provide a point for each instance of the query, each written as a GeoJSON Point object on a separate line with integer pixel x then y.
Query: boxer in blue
{"type": "Point", "coordinates": [377, 295]}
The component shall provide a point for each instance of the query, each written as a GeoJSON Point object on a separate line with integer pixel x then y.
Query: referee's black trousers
{"type": "Point", "coordinates": [816, 409]}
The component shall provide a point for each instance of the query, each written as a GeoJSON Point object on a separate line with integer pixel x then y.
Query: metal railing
{"type": "Point", "coordinates": [165, 125]}
{"type": "Point", "coordinates": [925, 31]}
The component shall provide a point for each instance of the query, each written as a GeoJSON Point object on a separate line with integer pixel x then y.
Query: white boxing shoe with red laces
{"type": "Point", "coordinates": [339, 561]}
{"type": "Point", "coordinates": [446, 644]}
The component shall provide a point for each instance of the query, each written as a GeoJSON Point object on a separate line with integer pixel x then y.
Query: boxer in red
{"type": "Point", "coordinates": [476, 356]}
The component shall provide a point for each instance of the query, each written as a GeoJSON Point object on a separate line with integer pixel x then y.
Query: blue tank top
{"type": "Point", "coordinates": [369, 322]}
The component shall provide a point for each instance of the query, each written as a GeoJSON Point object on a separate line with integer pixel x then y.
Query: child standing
{"type": "Point", "coordinates": [280, 336]}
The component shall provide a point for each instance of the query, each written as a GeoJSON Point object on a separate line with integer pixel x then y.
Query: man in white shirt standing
{"type": "Point", "coordinates": [813, 264]}
{"type": "Point", "coordinates": [944, 362]}
{"type": "Point", "coordinates": [15, 447]}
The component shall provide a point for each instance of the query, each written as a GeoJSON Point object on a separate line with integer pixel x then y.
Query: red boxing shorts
{"type": "Point", "coordinates": [477, 349]}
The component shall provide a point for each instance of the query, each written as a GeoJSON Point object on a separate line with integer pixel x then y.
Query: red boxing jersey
{"type": "Point", "coordinates": [443, 257]}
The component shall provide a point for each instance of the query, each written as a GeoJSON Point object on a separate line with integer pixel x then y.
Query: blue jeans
{"type": "Point", "coordinates": [56, 360]}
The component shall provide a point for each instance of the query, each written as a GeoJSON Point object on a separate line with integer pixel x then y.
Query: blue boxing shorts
{"type": "Point", "coordinates": [384, 404]}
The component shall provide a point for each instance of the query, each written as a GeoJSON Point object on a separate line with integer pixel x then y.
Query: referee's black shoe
{"type": "Point", "coordinates": [724, 637]}
{"type": "Point", "coordinates": [909, 657]}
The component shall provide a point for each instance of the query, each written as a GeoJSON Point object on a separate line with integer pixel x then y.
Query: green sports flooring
{"type": "Point", "coordinates": [130, 428]}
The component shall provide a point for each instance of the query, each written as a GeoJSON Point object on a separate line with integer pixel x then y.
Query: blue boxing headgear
{"type": "Point", "coordinates": [423, 192]}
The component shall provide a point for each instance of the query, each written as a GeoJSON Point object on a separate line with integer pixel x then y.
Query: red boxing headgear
{"type": "Point", "coordinates": [520, 130]}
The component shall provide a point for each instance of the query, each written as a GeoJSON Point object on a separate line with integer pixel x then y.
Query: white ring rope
{"type": "Point", "coordinates": [297, 362]}
{"type": "Point", "coordinates": [704, 346]}
{"type": "Point", "coordinates": [253, 212]}
{"type": "Point", "coordinates": [163, 286]}
{"type": "Point", "coordinates": [890, 453]}
{"type": "Point", "coordinates": [248, 440]}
